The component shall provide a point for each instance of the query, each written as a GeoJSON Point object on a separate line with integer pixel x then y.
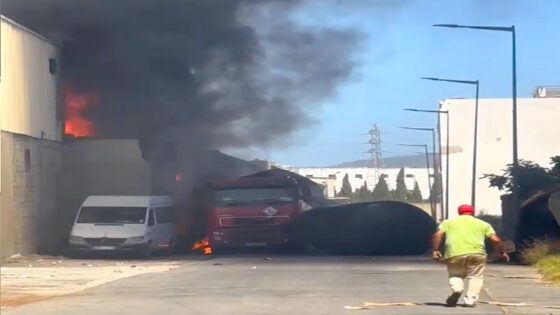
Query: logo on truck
{"type": "Point", "coordinates": [270, 211]}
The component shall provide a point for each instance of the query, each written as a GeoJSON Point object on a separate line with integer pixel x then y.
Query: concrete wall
{"type": "Point", "coordinates": [99, 167]}
{"type": "Point", "coordinates": [29, 204]}
{"type": "Point", "coordinates": [30, 119]}
{"type": "Point", "coordinates": [539, 139]}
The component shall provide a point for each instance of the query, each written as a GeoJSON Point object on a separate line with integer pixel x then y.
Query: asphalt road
{"type": "Point", "coordinates": [252, 284]}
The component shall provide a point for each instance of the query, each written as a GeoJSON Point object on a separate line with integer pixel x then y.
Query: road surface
{"type": "Point", "coordinates": [251, 284]}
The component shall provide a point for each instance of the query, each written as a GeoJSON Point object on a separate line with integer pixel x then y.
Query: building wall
{"type": "Point", "coordinates": [99, 167]}
{"type": "Point", "coordinates": [30, 194]}
{"type": "Point", "coordinates": [30, 121]}
{"type": "Point", "coordinates": [28, 90]}
{"type": "Point", "coordinates": [538, 140]}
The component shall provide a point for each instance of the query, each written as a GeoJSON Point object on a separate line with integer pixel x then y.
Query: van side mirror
{"type": "Point", "coordinates": [151, 219]}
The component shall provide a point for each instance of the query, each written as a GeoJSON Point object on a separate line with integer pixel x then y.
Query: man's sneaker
{"type": "Point", "coordinates": [453, 299]}
{"type": "Point", "coordinates": [469, 305]}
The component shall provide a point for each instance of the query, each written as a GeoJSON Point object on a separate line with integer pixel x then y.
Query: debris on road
{"type": "Point", "coordinates": [22, 284]}
{"type": "Point", "coordinates": [17, 256]}
{"type": "Point", "coordinates": [531, 277]}
{"type": "Point", "coordinates": [371, 305]}
{"type": "Point", "coordinates": [497, 303]}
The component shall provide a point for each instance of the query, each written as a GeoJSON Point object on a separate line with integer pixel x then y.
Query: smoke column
{"type": "Point", "coordinates": [193, 73]}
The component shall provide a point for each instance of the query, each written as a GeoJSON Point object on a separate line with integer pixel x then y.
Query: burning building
{"type": "Point", "coordinates": [31, 133]}
{"type": "Point", "coordinates": [192, 77]}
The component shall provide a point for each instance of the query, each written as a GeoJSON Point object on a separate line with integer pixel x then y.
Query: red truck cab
{"type": "Point", "coordinates": [253, 211]}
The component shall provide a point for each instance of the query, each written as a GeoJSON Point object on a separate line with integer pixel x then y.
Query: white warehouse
{"type": "Point", "coordinates": [538, 140]}
{"type": "Point", "coordinates": [333, 177]}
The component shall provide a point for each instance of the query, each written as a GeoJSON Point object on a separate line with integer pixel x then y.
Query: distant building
{"type": "Point", "coordinates": [332, 178]}
{"type": "Point", "coordinates": [538, 140]}
{"type": "Point", "coordinates": [31, 131]}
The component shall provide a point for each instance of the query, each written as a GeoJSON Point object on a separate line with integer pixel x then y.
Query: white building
{"type": "Point", "coordinates": [333, 177]}
{"type": "Point", "coordinates": [30, 134]}
{"type": "Point", "coordinates": [538, 140]}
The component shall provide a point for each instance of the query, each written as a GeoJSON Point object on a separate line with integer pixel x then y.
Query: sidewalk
{"type": "Point", "coordinates": [522, 284]}
{"type": "Point", "coordinates": [30, 279]}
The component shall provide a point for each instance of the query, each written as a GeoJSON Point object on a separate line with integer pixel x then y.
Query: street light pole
{"type": "Point", "coordinates": [475, 141]}
{"type": "Point", "coordinates": [475, 150]}
{"type": "Point", "coordinates": [510, 29]}
{"type": "Point", "coordinates": [446, 113]}
{"type": "Point", "coordinates": [434, 162]}
{"type": "Point", "coordinates": [514, 112]}
{"type": "Point", "coordinates": [425, 146]}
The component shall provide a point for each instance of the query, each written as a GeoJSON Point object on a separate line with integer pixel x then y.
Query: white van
{"type": "Point", "coordinates": [138, 224]}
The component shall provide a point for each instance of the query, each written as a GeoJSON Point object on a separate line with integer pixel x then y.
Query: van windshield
{"type": "Point", "coordinates": [112, 215]}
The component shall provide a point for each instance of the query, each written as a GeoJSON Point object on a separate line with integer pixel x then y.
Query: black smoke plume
{"type": "Point", "coordinates": [193, 73]}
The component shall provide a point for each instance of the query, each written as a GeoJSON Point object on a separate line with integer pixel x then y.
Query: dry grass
{"type": "Point", "coordinates": [537, 251]}
{"type": "Point", "coordinates": [549, 267]}
{"type": "Point", "coordinates": [546, 257]}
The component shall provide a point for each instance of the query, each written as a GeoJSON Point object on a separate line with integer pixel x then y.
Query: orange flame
{"type": "Point", "coordinates": [75, 105]}
{"type": "Point", "coordinates": [204, 245]}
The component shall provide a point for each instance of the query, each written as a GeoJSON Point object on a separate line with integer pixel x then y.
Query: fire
{"type": "Point", "coordinates": [75, 105]}
{"type": "Point", "coordinates": [204, 245]}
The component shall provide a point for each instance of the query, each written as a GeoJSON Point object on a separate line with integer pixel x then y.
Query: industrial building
{"type": "Point", "coordinates": [31, 131]}
{"type": "Point", "coordinates": [538, 140]}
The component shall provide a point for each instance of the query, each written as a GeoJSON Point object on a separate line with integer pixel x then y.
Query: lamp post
{"type": "Point", "coordinates": [446, 216]}
{"type": "Point", "coordinates": [510, 29]}
{"type": "Point", "coordinates": [434, 159]}
{"type": "Point", "coordinates": [425, 146]}
{"type": "Point", "coordinates": [475, 144]}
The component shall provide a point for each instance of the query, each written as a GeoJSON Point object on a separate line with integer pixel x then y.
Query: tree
{"type": "Point", "coordinates": [531, 178]}
{"type": "Point", "coordinates": [416, 195]}
{"type": "Point", "coordinates": [401, 192]}
{"type": "Point", "coordinates": [363, 194]}
{"type": "Point", "coordinates": [346, 190]}
{"type": "Point", "coordinates": [381, 190]}
{"type": "Point", "coordinates": [435, 191]}
{"type": "Point", "coordinates": [555, 170]}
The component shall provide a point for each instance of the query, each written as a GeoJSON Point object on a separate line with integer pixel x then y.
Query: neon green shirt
{"type": "Point", "coordinates": [465, 235]}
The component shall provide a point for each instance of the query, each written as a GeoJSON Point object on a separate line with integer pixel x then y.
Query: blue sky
{"type": "Point", "coordinates": [400, 47]}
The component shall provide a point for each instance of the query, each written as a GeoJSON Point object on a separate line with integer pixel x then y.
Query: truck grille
{"type": "Point", "coordinates": [242, 237]}
{"type": "Point", "coordinates": [105, 241]}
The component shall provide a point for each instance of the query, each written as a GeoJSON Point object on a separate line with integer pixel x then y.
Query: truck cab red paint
{"type": "Point", "coordinates": [253, 211]}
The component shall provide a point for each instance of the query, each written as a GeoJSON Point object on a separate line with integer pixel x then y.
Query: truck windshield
{"type": "Point", "coordinates": [112, 215]}
{"type": "Point", "coordinates": [255, 195]}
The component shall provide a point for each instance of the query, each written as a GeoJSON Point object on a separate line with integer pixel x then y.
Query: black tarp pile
{"type": "Point", "coordinates": [374, 228]}
{"type": "Point", "coordinates": [536, 220]}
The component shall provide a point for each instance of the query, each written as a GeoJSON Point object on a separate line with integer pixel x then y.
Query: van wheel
{"type": "Point", "coordinates": [146, 252]}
